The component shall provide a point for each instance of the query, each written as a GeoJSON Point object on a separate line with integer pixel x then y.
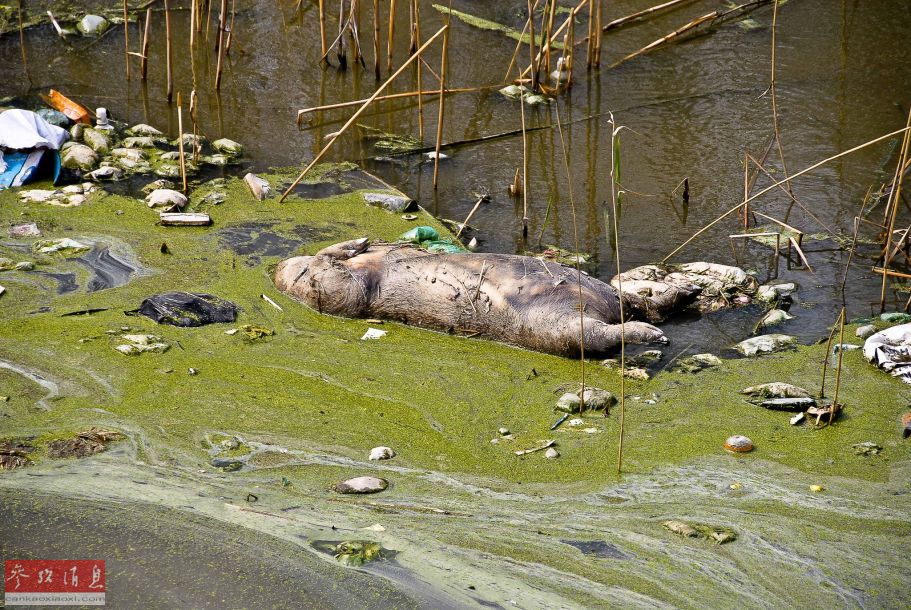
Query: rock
{"type": "Point", "coordinates": [54, 117]}
{"type": "Point", "coordinates": [718, 535]}
{"type": "Point", "coordinates": [72, 189]}
{"type": "Point", "coordinates": [92, 25]}
{"type": "Point", "coordinates": [551, 453]}
{"type": "Point", "coordinates": [776, 389]}
{"type": "Point", "coordinates": [597, 399]}
{"type": "Point", "coordinates": [134, 154]}
{"type": "Point", "coordinates": [97, 140]}
{"type": "Point", "coordinates": [390, 203]}
{"type": "Point", "coordinates": [76, 132]}
{"type": "Point", "coordinates": [138, 142]}
{"type": "Point", "coordinates": [166, 198]}
{"type": "Point", "coordinates": [865, 331]}
{"type": "Point", "coordinates": [74, 200]}
{"type": "Point", "coordinates": [847, 347]}
{"type": "Point", "coordinates": [788, 404]}
{"type": "Point", "coordinates": [107, 173]}
{"type": "Point", "coordinates": [867, 448]}
{"type": "Point", "coordinates": [381, 453]}
{"type": "Point", "coordinates": [217, 160]}
{"type": "Point", "coordinates": [214, 198]}
{"type": "Point", "coordinates": [259, 187]}
{"type": "Point", "coordinates": [569, 403]}
{"type": "Point", "coordinates": [29, 229]}
{"type": "Point", "coordinates": [38, 195]}
{"type": "Point", "coordinates": [646, 358]}
{"type": "Point", "coordinates": [143, 130]}
{"type": "Point", "coordinates": [228, 147]}
{"type": "Point", "coordinates": [503, 431]}
{"type": "Point", "coordinates": [738, 444]}
{"type": "Point", "coordinates": [765, 344]}
{"type": "Point", "coordinates": [138, 344]}
{"type": "Point", "coordinates": [168, 170]}
{"type": "Point", "coordinates": [361, 485]}
{"type": "Point", "coordinates": [171, 155]}
{"type": "Point", "coordinates": [157, 184]}
{"type": "Point", "coordinates": [6, 264]}
{"type": "Point", "coordinates": [697, 362]}
{"type": "Point", "coordinates": [775, 316]}
{"type": "Point", "coordinates": [189, 142]}
{"type": "Point", "coordinates": [78, 156]}
{"type": "Point", "coordinates": [25, 266]}
{"type": "Point", "coordinates": [895, 317]}
{"type": "Point", "coordinates": [227, 464]}
{"type": "Point", "coordinates": [71, 246]}
{"type": "Point", "coordinates": [766, 293]}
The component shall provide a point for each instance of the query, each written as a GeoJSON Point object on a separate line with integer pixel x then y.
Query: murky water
{"type": "Point", "coordinates": [691, 109]}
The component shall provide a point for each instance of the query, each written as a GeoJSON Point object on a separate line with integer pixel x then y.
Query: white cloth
{"type": "Point", "coordinates": [890, 350]}
{"type": "Point", "coordinates": [23, 129]}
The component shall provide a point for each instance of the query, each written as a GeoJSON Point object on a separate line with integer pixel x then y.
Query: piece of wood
{"type": "Point", "coordinates": [184, 219]}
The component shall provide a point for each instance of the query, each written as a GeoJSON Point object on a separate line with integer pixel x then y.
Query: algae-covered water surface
{"type": "Point", "coordinates": [205, 464]}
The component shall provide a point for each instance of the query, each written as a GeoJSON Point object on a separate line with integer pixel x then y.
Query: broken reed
{"type": "Point", "coordinates": [126, 39]}
{"type": "Point", "coordinates": [892, 207]}
{"type": "Point", "coordinates": [22, 41]}
{"type": "Point", "coordinates": [361, 110]}
{"type": "Point", "coordinates": [222, 17]}
{"type": "Point", "coordinates": [615, 209]}
{"type": "Point", "coordinates": [572, 207]}
{"type": "Point", "coordinates": [444, 61]}
{"type": "Point", "coordinates": [144, 60]}
{"type": "Point", "coordinates": [167, 25]}
{"type": "Point", "coordinates": [183, 162]}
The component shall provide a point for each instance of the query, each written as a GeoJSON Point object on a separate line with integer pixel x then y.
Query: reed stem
{"type": "Point", "coordinates": [167, 26]}
{"type": "Point", "coordinates": [444, 61]}
{"type": "Point", "coordinates": [361, 110]}
{"type": "Point", "coordinates": [144, 61]}
{"type": "Point", "coordinates": [126, 39]}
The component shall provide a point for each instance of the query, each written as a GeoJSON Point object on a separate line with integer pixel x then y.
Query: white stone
{"type": "Point", "coordinates": [381, 453]}
{"type": "Point", "coordinates": [361, 485]}
{"type": "Point", "coordinates": [166, 198]}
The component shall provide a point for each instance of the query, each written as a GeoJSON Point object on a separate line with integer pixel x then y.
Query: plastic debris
{"type": "Point", "coordinates": [188, 309]}
{"type": "Point", "coordinates": [373, 333]}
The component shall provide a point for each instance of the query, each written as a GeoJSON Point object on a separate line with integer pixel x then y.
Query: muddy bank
{"type": "Point", "coordinates": [159, 557]}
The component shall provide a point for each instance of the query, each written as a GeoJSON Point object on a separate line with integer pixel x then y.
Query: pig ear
{"type": "Point", "coordinates": [345, 249]}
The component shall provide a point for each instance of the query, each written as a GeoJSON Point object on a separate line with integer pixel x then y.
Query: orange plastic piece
{"type": "Point", "coordinates": [71, 109]}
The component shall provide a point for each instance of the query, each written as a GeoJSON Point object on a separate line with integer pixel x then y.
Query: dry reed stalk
{"type": "Point", "coordinates": [761, 168]}
{"type": "Point", "coordinates": [775, 122]}
{"type": "Point", "coordinates": [825, 362]}
{"type": "Point", "coordinates": [444, 61]}
{"type": "Point", "coordinates": [376, 38]}
{"type": "Point", "coordinates": [360, 111]}
{"type": "Point", "coordinates": [616, 226]}
{"type": "Point", "coordinates": [894, 198]}
{"type": "Point", "coordinates": [524, 172]}
{"type": "Point", "coordinates": [844, 279]}
{"type": "Point", "coordinates": [550, 9]}
{"type": "Point", "coordinates": [531, 47]}
{"type": "Point", "coordinates": [568, 24]}
{"type": "Point", "coordinates": [144, 61]}
{"type": "Point", "coordinates": [167, 27]}
{"type": "Point", "coordinates": [569, 49]}
{"type": "Point", "coordinates": [590, 47]}
{"type": "Point", "coordinates": [183, 159]}
{"type": "Point", "coordinates": [416, 33]}
{"type": "Point", "coordinates": [390, 43]}
{"type": "Point", "coordinates": [22, 40]}
{"type": "Point", "coordinates": [746, 190]}
{"type": "Point", "coordinates": [322, 28]}
{"type": "Point", "coordinates": [412, 26]}
{"type": "Point", "coordinates": [468, 218]}
{"type": "Point", "coordinates": [209, 4]}
{"type": "Point", "coordinates": [193, 20]}
{"type": "Point", "coordinates": [230, 29]}
{"type": "Point", "coordinates": [780, 182]}
{"type": "Point", "coordinates": [598, 40]}
{"type": "Point", "coordinates": [841, 351]}
{"type": "Point", "coordinates": [55, 24]}
{"type": "Point", "coordinates": [126, 39]}
{"type": "Point", "coordinates": [616, 23]}
{"type": "Point", "coordinates": [391, 96]}
{"type": "Point", "coordinates": [222, 19]}
{"type": "Point", "coordinates": [515, 54]}
{"type": "Point", "coordinates": [670, 37]}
